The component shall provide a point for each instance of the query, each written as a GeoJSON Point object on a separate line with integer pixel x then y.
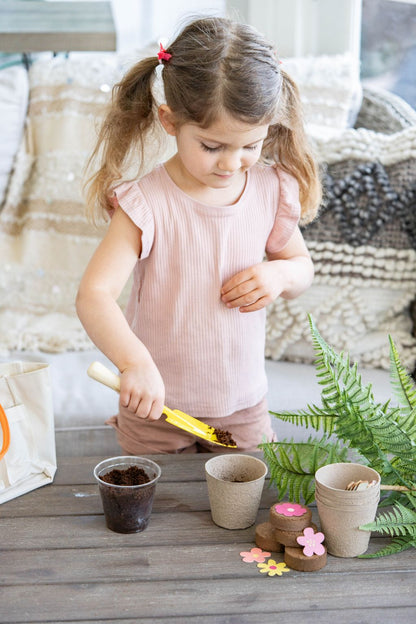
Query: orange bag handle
{"type": "Point", "coordinates": [6, 432]}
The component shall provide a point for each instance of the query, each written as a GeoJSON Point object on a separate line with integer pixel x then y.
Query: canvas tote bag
{"type": "Point", "coordinates": [27, 442]}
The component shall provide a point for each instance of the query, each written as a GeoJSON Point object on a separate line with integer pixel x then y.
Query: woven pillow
{"type": "Point", "coordinates": [363, 245]}
{"type": "Point", "coordinates": [14, 90]}
{"type": "Point", "coordinates": [44, 234]}
{"type": "Point", "coordinates": [330, 91]}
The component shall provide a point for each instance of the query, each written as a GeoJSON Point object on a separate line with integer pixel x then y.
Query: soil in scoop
{"type": "Point", "coordinates": [224, 437]}
{"type": "Point", "coordinates": [130, 476]}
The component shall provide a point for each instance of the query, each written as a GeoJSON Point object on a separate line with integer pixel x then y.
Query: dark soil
{"type": "Point", "coordinates": [130, 476]}
{"type": "Point", "coordinates": [224, 437]}
{"type": "Point", "coordinates": [127, 509]}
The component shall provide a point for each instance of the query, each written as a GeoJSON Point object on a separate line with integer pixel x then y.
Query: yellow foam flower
{"type": "Point", "coordinates": [272, 568]}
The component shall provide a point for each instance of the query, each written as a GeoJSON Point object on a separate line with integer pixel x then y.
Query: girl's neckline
{"type": "Point", "coordinates": [226, 208]}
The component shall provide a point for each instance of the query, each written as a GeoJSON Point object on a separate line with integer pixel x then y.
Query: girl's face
{"type": "Point", "coordinates": [217, 157]}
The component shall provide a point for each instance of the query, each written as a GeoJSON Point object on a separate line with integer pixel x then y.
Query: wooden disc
{"type": "Point", "coordinates": [287, 522]}
{"type": "Point", "coordinates": [295, 559]}
{"type": "Point", "coordinates": [266, 539]}
{"type": "Point", "coordinates": [288, 538]}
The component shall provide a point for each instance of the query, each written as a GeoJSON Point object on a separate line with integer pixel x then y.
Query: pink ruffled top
{"type": "Point", "coordinates": [211, 358]}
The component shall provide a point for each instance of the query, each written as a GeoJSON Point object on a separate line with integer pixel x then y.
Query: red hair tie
{"type": "Point", "coordinates": [162, 55]}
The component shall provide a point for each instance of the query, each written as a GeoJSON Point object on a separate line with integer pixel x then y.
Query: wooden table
{"type": "Point", "coordinates": [59, 563]}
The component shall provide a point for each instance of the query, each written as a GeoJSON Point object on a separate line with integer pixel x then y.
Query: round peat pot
{"type": "Point", "coordinates": [342, 512]}
{"type": "Point", "coordinates": [235, 485]}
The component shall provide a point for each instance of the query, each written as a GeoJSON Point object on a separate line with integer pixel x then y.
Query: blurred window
{"type": "Point", "coordinates": [388, 46]}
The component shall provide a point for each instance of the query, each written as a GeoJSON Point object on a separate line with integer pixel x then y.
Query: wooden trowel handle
{"type": "Point", "coordinates": [104, 375]}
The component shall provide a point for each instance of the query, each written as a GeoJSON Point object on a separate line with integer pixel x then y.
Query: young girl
{"type": "Point", "coordinates": [195, 232]}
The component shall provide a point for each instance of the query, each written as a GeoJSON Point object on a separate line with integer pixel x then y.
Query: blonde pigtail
{"type": "Point", "coordinates": [288, 146]}
{"type": "Point", "coordinates": [131, 115]}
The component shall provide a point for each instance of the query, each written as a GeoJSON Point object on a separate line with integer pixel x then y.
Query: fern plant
{"type": "Point", "coordinates": [376, 434]}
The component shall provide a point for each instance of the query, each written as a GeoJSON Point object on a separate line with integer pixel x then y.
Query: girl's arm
{"type": "Point", "coordinates": [287, 274]}
{"type": "Point", "coordinates": [141, 390]}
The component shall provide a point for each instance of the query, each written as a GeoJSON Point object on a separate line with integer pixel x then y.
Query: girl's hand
{"type": "Point", "coordinates": [142, 391]}
{"type": "Point", "coordinates": [287, 273]}
{"type": "Point", "coordinates": [254, 288]}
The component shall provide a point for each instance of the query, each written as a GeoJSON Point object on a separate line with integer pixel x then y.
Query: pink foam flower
{"type": "Point", "coordinates": [290, 509]}
{"type": "Point", "coordinates": [256, 555]}
{"type": "Point", "coordinates": [312, 542]}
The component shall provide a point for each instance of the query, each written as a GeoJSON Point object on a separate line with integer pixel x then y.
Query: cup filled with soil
{"type": "Point", "coordinates": [235, 485]}
{"type": "Point", "coordinates": [127, 486]}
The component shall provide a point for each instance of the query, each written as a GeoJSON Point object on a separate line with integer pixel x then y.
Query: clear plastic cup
{"type": "Point", "coordinates": [127, 508]}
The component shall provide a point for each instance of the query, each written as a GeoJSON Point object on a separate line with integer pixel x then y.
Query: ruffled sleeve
{"type": "Point", "coordinates": [130, 199]}
{"type": "Point", "coordinates": [288, 212]}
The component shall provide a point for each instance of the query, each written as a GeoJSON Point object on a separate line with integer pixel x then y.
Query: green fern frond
{"type": "Point", "coordinates": [362, 422]}
{"type": "Point", "coordinates": [402, 383]}
{"type": "Point", "coordinates": [390, 500]}
{"type": "Point", "coordinates": [386, 433]}
{"type": "Point", "coordinates": [405, 391]}
{"type": "Point", "coordinates": [399, 521]}
{"type": "Point", "coordinates": [381, 435]}
{"type": "Point", "coordinates": [293, 465]}
{"type": "Point", "coordinates": [398, 544]}
{"type": "Point", "coordinates": [410, 500]}
{"type": "Point", "coordinates": [408, 423]}
{"type": "Point", "coordinates": [407, 499]}
{"type": "Point", "coordinates": [407, 468]}
{"type": "Point", "coordinates": [316, 418]}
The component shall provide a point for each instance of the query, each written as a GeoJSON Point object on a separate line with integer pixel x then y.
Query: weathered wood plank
{"type": "Point", "coordinates": [90, 532]}
{"type": "Point", "coordinates": [182, 562]}
{"type": "Point", "coordinates": [373, 615]}
{"type": "Point", "coordinates": [79, 442]}
{"type": "Point", "coordinates": [158, 599]}
{"type": "Point", "coordinates": [85, 499]}
{"type": "Point", "coordinates": [79, 470]}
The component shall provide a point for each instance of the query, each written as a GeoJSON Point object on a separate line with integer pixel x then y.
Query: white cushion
{"type": "Point", "coordinates": [14, 91]}
{"type": "Point", "coordinates": [330, 91]}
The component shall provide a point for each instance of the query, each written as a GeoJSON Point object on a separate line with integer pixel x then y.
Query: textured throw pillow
{"type": "Point", "coordinates": [330, 91]}
{"type": "Point", "coordinates": [14, 91]}
{"type": "Point", "coordinates": [363, 245]}
{"type": "Point", "coordinates": [44, 234]}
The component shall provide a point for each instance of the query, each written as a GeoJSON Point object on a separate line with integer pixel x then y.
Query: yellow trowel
{"type": "Point", "coordinates": [101, 373]}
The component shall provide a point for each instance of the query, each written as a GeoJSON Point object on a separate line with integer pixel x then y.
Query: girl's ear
{"type": "Point", "coordinates": [167, 119]}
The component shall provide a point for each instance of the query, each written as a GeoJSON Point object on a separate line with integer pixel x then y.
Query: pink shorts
{"type": "Point", "coordinates": [248, 427]}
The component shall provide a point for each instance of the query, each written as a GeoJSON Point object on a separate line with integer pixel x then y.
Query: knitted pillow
{"type": "Point", "coordinates": [330, 91]}
{"type": "Point", "coordinates": [14, 90]}
{"type": "Point", "coordinates": [44, 234]}
{"type": "Point", "coordinates": [363, 245]}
